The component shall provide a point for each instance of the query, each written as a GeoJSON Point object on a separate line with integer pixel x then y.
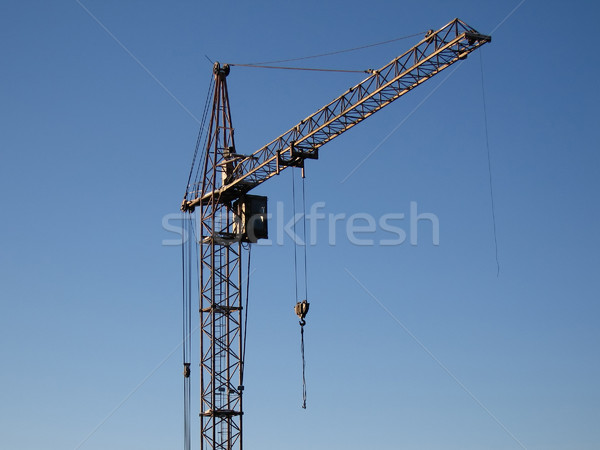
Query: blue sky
{"type": "Point", "coordinates": [416, 347]}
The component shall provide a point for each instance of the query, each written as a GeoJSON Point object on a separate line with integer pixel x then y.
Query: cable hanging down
{"type": "Point", "coordinates": [301, 310]}
{"type": "Point", "coordinates": [245, 326]}
{"type": "Point", "coordinates": [301, 306]}
{"type": "Point", "coordinates": [489, 158]}
{"type": "Point", "coordinates": [190, 269]}
{"type": "Point", "coordinates": [187, 258]}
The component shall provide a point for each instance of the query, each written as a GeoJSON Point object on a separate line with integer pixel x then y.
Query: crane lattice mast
{"type": "Point", "coordinates": [227, 211]}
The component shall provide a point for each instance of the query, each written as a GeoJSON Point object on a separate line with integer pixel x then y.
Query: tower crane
{"type": "Point", "coordinates": [231, 219]}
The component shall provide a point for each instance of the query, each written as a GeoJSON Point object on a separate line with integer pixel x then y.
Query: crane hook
{"type": "Point", "coordinates": [301, 310]}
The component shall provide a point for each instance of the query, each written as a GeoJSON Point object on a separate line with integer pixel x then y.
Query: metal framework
{"type": "Point", "coordinates": [228, 176]}
{"type": "Point", "coordinates": [220, 281]}
{"type": "Point", "coordinates": [437, 51]}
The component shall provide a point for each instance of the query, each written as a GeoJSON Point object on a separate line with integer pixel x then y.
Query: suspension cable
{"type": "Point", "coordinates": [305, 241]}
{"type": "Point", "coordinates": [186, 260]}
{"type": "Point", "coordinates": [341, 51]}
{"type": "Point", "coordinates": [303, 367]}
{"type": "Point", "coordinates": [301, 306]}
{"type": "Point", "coordinates": [203, 145]}
{"type": "Point", "coordinates": [487, 144]}
{"type": "Point", "coordinates": [188, 255]}
{"type": "Point", "coordinates": [296, 298]}
{"type": "Point", "coordinates": [200, 135]}
{"type": "Point", "coordinates": [313, 69]}
{"type": "Point", "coordinates": [245, 330]}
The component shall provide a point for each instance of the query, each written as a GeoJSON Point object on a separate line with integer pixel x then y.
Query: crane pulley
{"type": "Point", "coordinates": [301, 310]}
{"type": "Point", "coordinates": [227, 212]}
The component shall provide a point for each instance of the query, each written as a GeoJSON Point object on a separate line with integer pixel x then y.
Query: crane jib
{"type": "Point", "coordinates": [435, 52]}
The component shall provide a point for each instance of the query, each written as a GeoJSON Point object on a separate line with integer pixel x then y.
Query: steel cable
{"type": "Point", "coordinates": [258, 66]}
{"type": "Point", "coordinates": [489, 160]}
{"type": "Point", "coordinates": [336, 52]}
{"type": "Point", "coordinates": [201, 139]}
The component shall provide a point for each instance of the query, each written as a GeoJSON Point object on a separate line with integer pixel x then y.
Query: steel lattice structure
{"type": "Point", "coordinates": [220, 296]}
{"type": "Point", "coordinates": [437, 51]}
{"type": "Point", "coordinates": [228, 176]}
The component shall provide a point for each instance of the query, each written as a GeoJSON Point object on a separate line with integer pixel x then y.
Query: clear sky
{"type": "Point", "coordinates": [408, 346]}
